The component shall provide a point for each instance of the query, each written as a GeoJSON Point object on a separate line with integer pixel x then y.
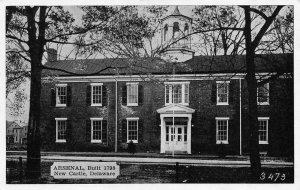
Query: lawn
{"type": "Point", "coordinates": [150, 173]}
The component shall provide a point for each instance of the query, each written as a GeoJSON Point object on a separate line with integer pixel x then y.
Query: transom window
{"type": "Point", "coordinates": [96, 130]}
{"type": "Point", "coordinates": [263, 130]}
{"type": "Point", "coordinates": [222, 130]}
{"type": "Point", "coordinates": [96, 94]}
{"type": "Point", "coordinates": [177, 93]}
{"type": "Point", "coordinates": [132, 130]}
{"type": "Point", "coordinates": [263, 94]}
{"type": "Point", "coordinates": [222, 92]}
{"type": "Point", "coordinates": [132, 94]}
{"type": "Point", "coordinates": [61, 128]}
{"type": "Point", "coordinates": [61, 94]}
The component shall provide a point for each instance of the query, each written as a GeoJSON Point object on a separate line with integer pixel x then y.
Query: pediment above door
{"type": "Point", "coordinates": [176, 108]}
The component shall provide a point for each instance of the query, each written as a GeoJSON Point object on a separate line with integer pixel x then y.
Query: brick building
{"type": "Point", "coordinates": [195, 104]}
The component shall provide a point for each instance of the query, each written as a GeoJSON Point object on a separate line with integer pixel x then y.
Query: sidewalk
{"type": "Point", "coordinates": [155, 158]}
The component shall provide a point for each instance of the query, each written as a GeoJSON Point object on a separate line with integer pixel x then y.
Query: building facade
{"type": "Point", "coordinates": [194, 105]}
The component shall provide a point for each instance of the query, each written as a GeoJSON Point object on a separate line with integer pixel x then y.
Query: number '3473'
{"type": "Point", "coordinates": [272, 176]}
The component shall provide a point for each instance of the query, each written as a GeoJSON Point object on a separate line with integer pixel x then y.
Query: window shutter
{"type": "Point", "coordinates": [213, 131]}
{"type": "Point", "coordinates": [88, 95]}
{"type": "Point", "coordinates": [124, 130]}
{"type": "Point", "coordinates": [104, 132]}
{"type": "Point", "coordinates": [194, 118]}
{"type": "Point", "coordinates": [69, 95]}
{"type": "Point", "coordinates": [231, 92]}
{"type": "Point", "coordinates": [69, 131]}
{"type": "Point", "coordinates": [230, 127]}
{"type": "Point", "coordinates": [158, 120]}
{"type": "Point", "coordinates": [141, 95]}
{"type": "Point", "coordinates": [214, 92]}
{"type": "Point", "coordinates": [104, 96]}
{"type": "Point", "coordinates": [124, 95]}
{"type": "Point", "coordinates": [88, 131]}
{"type": "Point", "coordinates": [53, 97]}
{"type": "Point", "coordinates": [52, 130]}
{"type": "Point", "coordinates": [140, 131]}
{"type": "Point", "coordinates": [271, 91]}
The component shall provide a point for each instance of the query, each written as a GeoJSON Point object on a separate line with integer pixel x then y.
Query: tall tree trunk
{"type": "Point", "coordinates": [252, 99]}
{"type": "Point", "coordinates": [33, 147]}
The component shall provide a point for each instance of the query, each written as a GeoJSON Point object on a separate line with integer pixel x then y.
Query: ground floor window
{"type": "Point", "coordinates": [222, 130]}
{"type": "Point", "coordinates": [96, 130]}
{"type": "Point", "coordinates": [132, 130]}
{"type": "Point", "coordinates": [263, 130]}
{"type": "Point", "coordinates": [61, 128]}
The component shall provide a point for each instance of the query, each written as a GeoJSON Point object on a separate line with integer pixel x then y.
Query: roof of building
{"type": "Point", "coordinates": [9, 123]}
{"type": "Point", "coordinates": [196, 65]}
{"type": "Point", "coordinates": [177, 13]}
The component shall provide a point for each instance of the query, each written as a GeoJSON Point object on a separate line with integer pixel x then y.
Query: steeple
{"type": "Point", "coordinates": [176, 11]}
{"type": "Point", "coordinates": [173, 41]}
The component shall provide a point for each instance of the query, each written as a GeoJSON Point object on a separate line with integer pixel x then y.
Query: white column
{"type": "Point", "coordinates": [189, 126]}
{"type": "Point", "coordinates": [162, 135]}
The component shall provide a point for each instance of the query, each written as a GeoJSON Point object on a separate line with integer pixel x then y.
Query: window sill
{"type": "Point", "coordinates": [60, 141]}
{"type": "Point", "coordinates": [222, 104]}
{"type": "Point", "coordinates": [61, 105]}
{"type": "Point", "coordinates": [96, 141]}
{"type": "Point", "coordinates": [134, 141]}
{"type": "Point", "coordinates": [94, 105]}
{"type": "Point", "coordinates": [132, 105]}
{"type": "Point", "coordinates": [263, 142]}
{"type": "Point", "coordinates": [223, 142]}
{"type": "Point", "coordinates": [263, 103]}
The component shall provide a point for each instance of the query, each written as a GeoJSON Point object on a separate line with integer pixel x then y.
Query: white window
{"type": "Point", "coordinates": [222, 92]}
{"type": "Point", "coordinates": [263, 123]}
{"type": "Point", "coordinates": [61, 128]}
{"type": "Point", "coordinates": [132, 130]}
{"type": "Point", "coordinates": [263, 94]}
{"type": "Point", "coordinates": [222, 130]}
{"type": "Point", "coordinates": [177, 93]}
{"type": "Point", "coordinates": [61, 95]}
{"type": "Point", "coordinates": [132, 94]}
{"type": "Point", "coordinates": [96, 94]}
{"type": "Point", "coordinates": [96, 130]}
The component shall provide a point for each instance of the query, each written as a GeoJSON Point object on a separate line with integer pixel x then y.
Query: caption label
{"type": "Point", "coordinates": [85, 170]}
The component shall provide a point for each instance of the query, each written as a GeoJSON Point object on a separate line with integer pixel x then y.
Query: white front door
{"type": "Point", "coordinates": [176, 138]}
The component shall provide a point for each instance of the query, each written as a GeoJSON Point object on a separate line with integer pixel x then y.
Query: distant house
{"type": "Point", "coordinates": [194, 105]}
{"type": "Point", "coordinates": [15, 134]}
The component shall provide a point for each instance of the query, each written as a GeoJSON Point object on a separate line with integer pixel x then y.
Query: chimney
{"type": "Point", "coordinates": [52, 55]}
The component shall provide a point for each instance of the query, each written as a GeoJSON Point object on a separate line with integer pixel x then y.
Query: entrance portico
{"type": "Point", "coordinates": [175, 128]}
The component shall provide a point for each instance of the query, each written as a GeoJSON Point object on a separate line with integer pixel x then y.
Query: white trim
{"type": "Point", "coordinates": [92, 85]}
{"type": "Point", "coordinates": [56, 130]}
{"type": "Point", "coordinates": [61, 85]}
{"type": "Point", "coordinates": [227, 97]}
{"type": "Point", "coordinates": [227, 137]}
{"type": "Point", "coordinates": [179, 82]}
{"type": "Point", "coordinates": [131, 83]}
{"type": "Point", "coordinates": [96, 84]}
{"type": "Point", "coordinates": [96, 119]}
{"type": "Point", "coordinates": [61, 118]}
{"type": "Point", "coordinates": [137, 129]}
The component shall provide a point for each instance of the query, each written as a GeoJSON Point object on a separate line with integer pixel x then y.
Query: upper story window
{"type": "Point", "coordinates": [96, 94]}
{"type": "Point", "coordinates": [222, 92]}
{"type": "Point", "coordinates": [263, 94]}
{"type": "Point", "coordinates": [177, 93]}
{"type": "Point", "coordinates": [263, 123]}
{"type": "Point", "coordinates": [132, 94]}
{"type": "Point", "coordinates": [222, 130]}
{"type": "Point", "coordinates": [61, 95]}
{"type": "Point", "coordinates": [61, 128]}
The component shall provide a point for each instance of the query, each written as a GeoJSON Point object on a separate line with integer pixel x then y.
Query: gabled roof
{"type": "Point", "coordinates": [196, 65]}
{"type": "Point", "coordinates": [177, 108]}
{"type": "Point", "coordinates": [9, 123]}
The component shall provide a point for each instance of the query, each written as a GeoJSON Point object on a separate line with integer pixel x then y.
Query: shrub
{"type": "Point", "coordinates": [131, 147]}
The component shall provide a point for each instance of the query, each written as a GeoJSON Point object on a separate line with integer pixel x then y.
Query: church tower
{"type": "Point", "coordinates": [174, 28]}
